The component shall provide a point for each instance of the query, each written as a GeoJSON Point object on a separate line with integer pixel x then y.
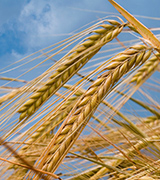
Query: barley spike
{"type": "Point", "coordinates": [147, 69]}
{"type": "Point", "coordinates": [88, 104]}
{"type": "Point", "coordinates": [73, 62]}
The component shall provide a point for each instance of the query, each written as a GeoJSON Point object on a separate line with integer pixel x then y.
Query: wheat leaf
{"type": "Point", "coordinates": [143, 30]}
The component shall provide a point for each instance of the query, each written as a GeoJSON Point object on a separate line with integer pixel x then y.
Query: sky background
{"type": "Point", "coordinates": [27, 26]}
{"type": "Point", "coordinates": [30, 25]}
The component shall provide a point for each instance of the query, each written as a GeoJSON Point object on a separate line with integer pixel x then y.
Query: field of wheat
{"type": "Point", "coordinates": [85, 108]}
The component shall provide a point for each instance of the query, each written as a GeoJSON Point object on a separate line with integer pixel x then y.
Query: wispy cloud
{"type": "Point", "coordinates": [35, 24]}
{"type": "Point", "coordinates": [38, 21]}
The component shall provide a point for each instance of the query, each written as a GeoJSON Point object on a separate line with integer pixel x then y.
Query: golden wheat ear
{"type": "Point", "coordinates": [147, 69]}
{"type": "Point", "coordinates": [143, 30]}
{"type": "Point", "coordinates": [88, 103]}
{"type": "Point", "coordinates": [77, 58]}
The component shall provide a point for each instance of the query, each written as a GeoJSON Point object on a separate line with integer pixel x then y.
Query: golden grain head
{"type": "Point", "coordinates": [71, 65]}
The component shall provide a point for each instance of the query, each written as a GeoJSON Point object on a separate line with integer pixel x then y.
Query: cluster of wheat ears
{"type": "Point", "coordinates": [78, 119]}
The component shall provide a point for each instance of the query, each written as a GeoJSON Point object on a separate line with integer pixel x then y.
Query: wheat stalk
{"type": "Point", "coordinates": [147, 69]}
{"type": "Point", "coordinates": [98, 172]}
{"type": "Point", "coordinates": [146, 178]}
{"type": "Point", "coordinates": [77, 58]}
{"type": "Point", "coordinates": [91, 99]}
{"type": "Point", "coordinates": [10, 95]}
{"type": "Point", "coordinates": [130, 152]}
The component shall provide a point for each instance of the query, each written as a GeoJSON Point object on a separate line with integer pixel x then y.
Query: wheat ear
{"type": "Point", "coordinates": [153, 121]}
{"type": "Point", "coordinates": [78, 57]}
{"type": "Point", "coordinates": [147, 69]}
{"type": "Point", "coordinates": [52, 121]}
{"type": "Point", "coordinates": [91, 99]}
{"type": "Point", "coordinates": [43, 132]}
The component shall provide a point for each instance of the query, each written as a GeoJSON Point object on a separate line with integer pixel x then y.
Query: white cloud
{"type": "Point", "coordinates": [10, 10]}
{"type": "Point", "coordinates": [38, 21]}
{"type": "Point", "coordinates": [43, 20]}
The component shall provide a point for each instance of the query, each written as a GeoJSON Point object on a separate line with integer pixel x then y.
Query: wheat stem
{"type": "Point", "coordinates": [98, 172]}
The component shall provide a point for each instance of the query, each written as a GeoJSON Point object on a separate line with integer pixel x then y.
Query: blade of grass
{"type": "Point", "coordinates": [144, 31]}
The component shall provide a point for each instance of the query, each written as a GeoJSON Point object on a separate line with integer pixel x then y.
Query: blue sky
{"type": "Point", "coordinates": [29, 25]}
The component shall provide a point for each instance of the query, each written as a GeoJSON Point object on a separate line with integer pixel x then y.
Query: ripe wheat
{"type": "Point", "coordinates": [91, 99]}
{"type": "Point", "coordinates": [52, 121]}
{"type": "Point", "coordinates": [147, 69]}
{"type": "Point", "coordinates": [46, 138]}
{"type": "Point", "coordinates": [77, 59]}
{"type": "Point", "coordinates": [98, 172]}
